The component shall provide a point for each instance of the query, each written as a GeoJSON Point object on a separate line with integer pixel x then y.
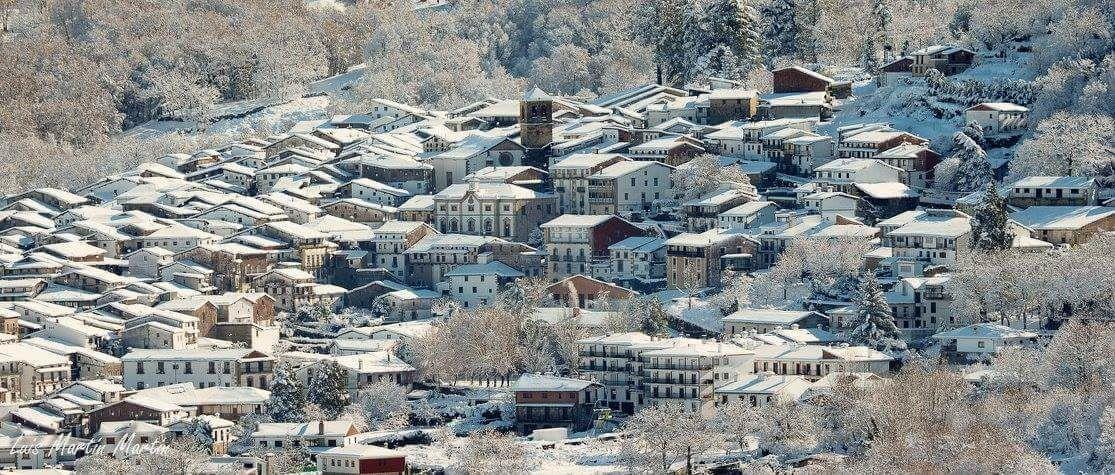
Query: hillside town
{"type": "Point", "coordinates": [661, 279]}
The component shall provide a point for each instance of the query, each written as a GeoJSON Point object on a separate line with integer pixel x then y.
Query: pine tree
{"type": "Point", "coordinates": [669, 26]}
{"type": "Point", "coordinates": [882, 15]}
{"type": "Point", "coordinates": [781, 29]}
{"type": "Point", "coordinates": [973, 168]}
{"type": "Point", "coordinates": [288, 396]}
{"type": "Point", "coordinates": [990, 229]}
{"type": "Point", "coordinates": [729, 33]}
{"type": "Point", "coordinates": [328, 388]}
{"type": "Point", "coordinates": [874, 324]}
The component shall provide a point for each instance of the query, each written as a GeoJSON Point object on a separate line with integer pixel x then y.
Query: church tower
{"type": "Point", "coordinates": [536, 120]}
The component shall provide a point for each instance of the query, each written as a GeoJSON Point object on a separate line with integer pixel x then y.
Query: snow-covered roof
{"type": "Point", "coordinates": [807, 72]}
{"type": "Point", "coordinates": [578, 220]}
{"type": "Point", "coordinates": [1055, 182]}
{"type": "Point", "coordinates": [765, 384]}
{"type": "Point", "coordinates": [491, 268]}
{"type": "Point", "coordinates": [542, 382]}
{"type": "Point", "coordinates": [1061, 217]}
{"type": "Point", "coordinates": [768, 316]}
{"type": "Point", "coordinates": [887, 190]}
{"type": "Point", "coordinates": [985, 331]}
{"type": "Point", "coordinates": [999, 107]}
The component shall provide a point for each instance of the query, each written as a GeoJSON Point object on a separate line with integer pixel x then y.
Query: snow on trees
{"type": "Point", "coordinates": [990, 228]}
{"type": "Point", "coordinates": [1069, 144]}
{"type": "Point", "coordinates": [379, 406]}
{"type": "Point", "coordinates": [704, 174]}
{"type": "Point", "coordinates": [729, 38]}
{"type": "Point", "coordinates": [488, 451]}
{"type": "Point", "coordinates": [328, 388]}
{"type": "Point", "coordinates": [664, 435]}
{"type": "Point", "coordinates": [288, 396]}
{"type": "Point", "coordinates": [873, 325]}
{"type": "Point", "coordinates": [973, 169]}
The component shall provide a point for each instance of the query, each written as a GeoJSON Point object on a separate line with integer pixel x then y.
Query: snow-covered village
{"type": "Point", "coordinates": [558, 237]}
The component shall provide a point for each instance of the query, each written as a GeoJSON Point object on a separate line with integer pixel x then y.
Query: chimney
{"type": "Point", "coordinates": [321, 427]}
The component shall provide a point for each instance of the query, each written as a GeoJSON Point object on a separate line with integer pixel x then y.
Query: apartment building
{"type": "Point", "coordinates": [578, 244]}
{"type": "Point", "coordinates": [814, 362]}
{"type": "Point", "coordinates": [203, 367]}
{"type": "Point", "coordinates": [570, 177]}
{"type": "Point", "coordinates": [697, 260]}
{"type": "Point", "coordinates": [630, 187]}
{"type": "Point", "coordinates": [688, 372]}
{"type": "Point", "coordinates": [938, 236]}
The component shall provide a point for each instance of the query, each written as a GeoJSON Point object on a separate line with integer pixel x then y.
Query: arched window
{"type": "Point", "coordinates": [471, 225]}
{"type": "Point", "coordinates": [506, 226]}
{"type": "Point", "coordinates": [453, 225]}
{"type": "Point", "coordinates": [488, 226]}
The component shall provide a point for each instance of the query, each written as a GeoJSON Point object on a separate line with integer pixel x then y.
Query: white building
{"type": "Point", "coordinates": [982, 339]}
{"type": "Point", "coordinates": [477, 285]}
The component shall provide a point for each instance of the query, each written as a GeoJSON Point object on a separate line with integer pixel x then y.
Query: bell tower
{"type": "Point", "coordinates": [536, 120]}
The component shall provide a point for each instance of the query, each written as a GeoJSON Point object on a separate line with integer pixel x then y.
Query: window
{"type": "Point", "coordinates": [159, 368]}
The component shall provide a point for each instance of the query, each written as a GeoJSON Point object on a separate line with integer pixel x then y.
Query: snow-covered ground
{"type": "Point", "coordinates": [241, 117]}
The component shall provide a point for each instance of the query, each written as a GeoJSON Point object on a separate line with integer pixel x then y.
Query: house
{"type": "Point", "coordinates": [814, 362]}
{"type": "Point", "coordinates": [799, 79]}
{"type": "Point", "coordinates": [843, 174]}
{"type": "Point", "coordinates": [612, 359]}
{"type": "Point", "coordinates": [688, 372]}
{"type": "Point", "coordinates": [374, 191]}
{"type": "Point", "coordinates": [1072, 225]}
{"type": "Point", "coordinates": [939, 237]}
{"type": "Point", "coordinates": [478, 285]}
{"type": "Point", "coordinates": [630, 187]}
{"type": "Point", "coordinates": [418, 208]}
{"type": "Point", "coordinates": [748, 215]}
{"type": "Point", "coordinates": [578, 244]}
{"type": "Point", "coordinates": [695, 261]}
{"type": "Point", "coordinates": [359, 210]}
{"type": "Point", "coordinates": [493, 209]}
{"type": "Point", "coordinates": [830, 204]}
{"type": "Point", "coordinates": [1052, 191]}
{"type": "Point", "coordinates": [983, 339]}
{"type": "Point", "coordinates": [948, 60]}
{"type": "Point", "coordinates": [672, 151]}
{"type": "Point", "coordinates": [137, 407]}
{"type": "Point", "coordinates": [570, 176]}
{"type": "Point", "coordinates": [918, 161]}
{"type": "Point", "coordinates": [638, 262]}
{"type": "Point", "coordinates": [998, 118]}
{"type": "Point", "coordinates": [544, 401]}
{"type": "Point", "coordinates": [303, 435]}
{"type": "Point", "coordinates": [361, 459]}
{"type": "Point", "coordinates": [890, 73]}
{"type": "Point", "coordinates": [703, 213]}
{"type": "Point", "coordinates": [294, 289]}
{"type": "Point", "coordinates": [762, 390]}
{"type": "Point", "coordinates": [868, 140]}
{"type": "Point", "coordinates": [587, 293]}
{"type": "Point", "coordinates": [29, 372]}
{"type": "Point", "coordinates": [203, 367]}
{"type": "Point", "coordinates": [921, 305]}
{"type": "Point", "coordinates": [768, 320]}
{"type": "Point", "coordinates": [796, 105]}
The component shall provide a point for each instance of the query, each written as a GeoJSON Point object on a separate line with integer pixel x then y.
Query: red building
{"type": "Point", "coordinates": [361, 460]}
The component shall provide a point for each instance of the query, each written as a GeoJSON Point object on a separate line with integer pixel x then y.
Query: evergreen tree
{"type": "Point", "coordinates": [882, 15]}
{"type": "Point", "coordinates": [729, 39]}
{"type": "Point", "coordinates": [781, 29]}
{"type": "Point", "coordinates": [328, 388]}
{"type": "Point", "coordinates": [288, 396]}
{"type": "Point", "coordinates": [991, 232]}
{"type": "Point", "coordinates": [669, 26]}
{"type": "Point", "coordinates": [973, 169]}
{"type": "Point", "coordinates": [874, 324]}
